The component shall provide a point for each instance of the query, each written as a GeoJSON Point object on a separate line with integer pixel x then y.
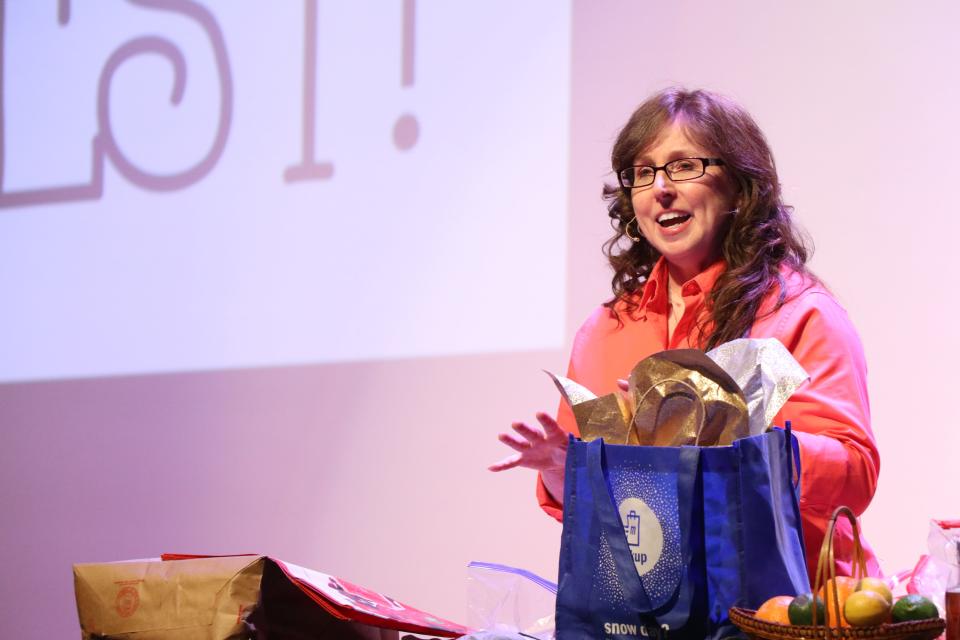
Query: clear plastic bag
{"type": "Point", "coordinates": [940, 570]}
{"type": "Point", "coordinates": [509, 601]}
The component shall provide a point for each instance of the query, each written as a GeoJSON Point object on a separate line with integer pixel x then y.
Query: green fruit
{"type": "Point", "coordinates": [914, 607]}
{"type": "Point", "coordinates": [800, 610]}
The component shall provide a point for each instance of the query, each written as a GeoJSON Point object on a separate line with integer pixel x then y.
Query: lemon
{"type": "Point", "coordinates": [866, 608]}
{"type": "Point", "coordinates": [876, 585]}
{"type": "Point", "coordinates": [914, 607]}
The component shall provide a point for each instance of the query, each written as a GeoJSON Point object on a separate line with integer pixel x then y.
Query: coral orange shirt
{"type": "Point", "coordinates": [830, 413]}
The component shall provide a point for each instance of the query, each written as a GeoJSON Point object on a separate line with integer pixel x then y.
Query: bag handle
{"type": "Point", "coordinates": [793, 454]}
{"type": "Point", "coordinates": [701, 407]}
{"type": "Point", "coordinates": [827, 568]}
{"type": "Point", "coordinates": [609, 518]}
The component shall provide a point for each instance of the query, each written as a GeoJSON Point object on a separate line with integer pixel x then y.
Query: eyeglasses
{"type": "Point", "coordinates": [677, 170]}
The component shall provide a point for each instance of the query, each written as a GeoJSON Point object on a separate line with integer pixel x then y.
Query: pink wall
{"type": "Point", "coordinates": [376, 470]}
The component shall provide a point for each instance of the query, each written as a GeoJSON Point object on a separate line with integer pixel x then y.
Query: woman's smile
{"type": "Point", "coordinates": [674, 222]}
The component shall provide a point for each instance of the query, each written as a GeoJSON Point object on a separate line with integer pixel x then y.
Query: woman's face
{"type": "Point", "coordinates": [683, 220]}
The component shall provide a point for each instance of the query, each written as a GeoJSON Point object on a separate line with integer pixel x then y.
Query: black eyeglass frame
{"type": "Point", "coordinates": [707, 162]}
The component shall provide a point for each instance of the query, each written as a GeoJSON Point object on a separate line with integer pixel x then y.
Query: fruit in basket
{"type": "Point", "coordinates": [775, 610]}
{"type": "Point", "coordinates": [800, 610]}
{"type": "Point", "coordinates": [844, 586]}
{"type": "Point", "coordinates": [866, 609]}
{"type": "Point", "coordinates": [877, 585]}
{"type": "Point", "coordinates": [914, 607]}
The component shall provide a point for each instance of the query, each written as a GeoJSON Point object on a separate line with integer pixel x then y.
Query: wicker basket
{"type": "Point", "coordinates": [914, 630]}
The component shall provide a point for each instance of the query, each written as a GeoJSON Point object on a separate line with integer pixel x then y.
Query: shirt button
{"type": "Point", "coordinates": [690, 289]}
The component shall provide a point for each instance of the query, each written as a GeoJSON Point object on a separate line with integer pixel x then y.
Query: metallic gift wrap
{"type": "Point", "coordinates": [765, 371]}
{"type": "Point", "coordinates": [684, 397]}
{"type": "Point", "coordinates": [688, 397]}
{"type": "Point", "coordinates": [606, 417]}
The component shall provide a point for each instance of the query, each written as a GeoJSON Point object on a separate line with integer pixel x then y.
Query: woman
{"type": "Point", "coordinates": [705, 252]}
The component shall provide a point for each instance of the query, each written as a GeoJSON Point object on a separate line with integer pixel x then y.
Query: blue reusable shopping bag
{"type": "Point", "coordinates": [662, 541]}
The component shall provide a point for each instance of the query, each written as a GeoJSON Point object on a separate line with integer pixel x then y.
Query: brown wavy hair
{"type": "Point", "coordinates": [758, 240]}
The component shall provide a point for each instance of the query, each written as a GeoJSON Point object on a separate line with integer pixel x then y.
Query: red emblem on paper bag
{"type": "Point", "coordinates": [127, 601]}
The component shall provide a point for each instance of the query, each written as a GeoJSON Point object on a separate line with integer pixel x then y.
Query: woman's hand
{"type": "Point", "coordinates": [542, 449]}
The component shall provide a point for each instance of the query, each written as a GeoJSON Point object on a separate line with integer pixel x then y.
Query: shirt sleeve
{"type": "Point", "coordinates": [565, 417]}
{"type": "Point", "coordinates": [830, 414]}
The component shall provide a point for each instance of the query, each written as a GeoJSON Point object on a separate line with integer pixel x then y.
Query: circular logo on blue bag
{"type": "Point", "coordinates": [644, 534]}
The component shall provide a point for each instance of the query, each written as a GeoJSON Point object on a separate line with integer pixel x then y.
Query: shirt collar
{"type": "Point", "coordinates": [654, 295]}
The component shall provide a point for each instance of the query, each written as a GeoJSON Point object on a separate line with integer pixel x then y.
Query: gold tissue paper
{"type": "Point", "coordinates": [684, 397]}
{"type": "Point", "coordinates": [688, 397]}
{"type": "Point", "coordinates": [608, 417]}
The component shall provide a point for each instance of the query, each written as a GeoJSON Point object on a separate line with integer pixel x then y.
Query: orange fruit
{"type": "Point", "coordinates": [845, 585]}
{"type": "Point", "coordinates": [775, 610]}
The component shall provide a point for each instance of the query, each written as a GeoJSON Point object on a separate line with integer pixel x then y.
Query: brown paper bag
{"type": "Point", "coordinates": [237, 598]}
{"type": "Point", "coordinates": [205, 598]}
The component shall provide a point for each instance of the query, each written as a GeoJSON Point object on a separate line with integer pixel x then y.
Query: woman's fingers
{"type": "Point", "coordinates": [551, 428]}
{"type": "Point", "coordinates": [528, 432]}
{"type": "Point", "coordinates": [515, 443]}
{"type": "Point", "coordinates": [507, 463]}
{"type": "Point", "coordinates": [540, 449]}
